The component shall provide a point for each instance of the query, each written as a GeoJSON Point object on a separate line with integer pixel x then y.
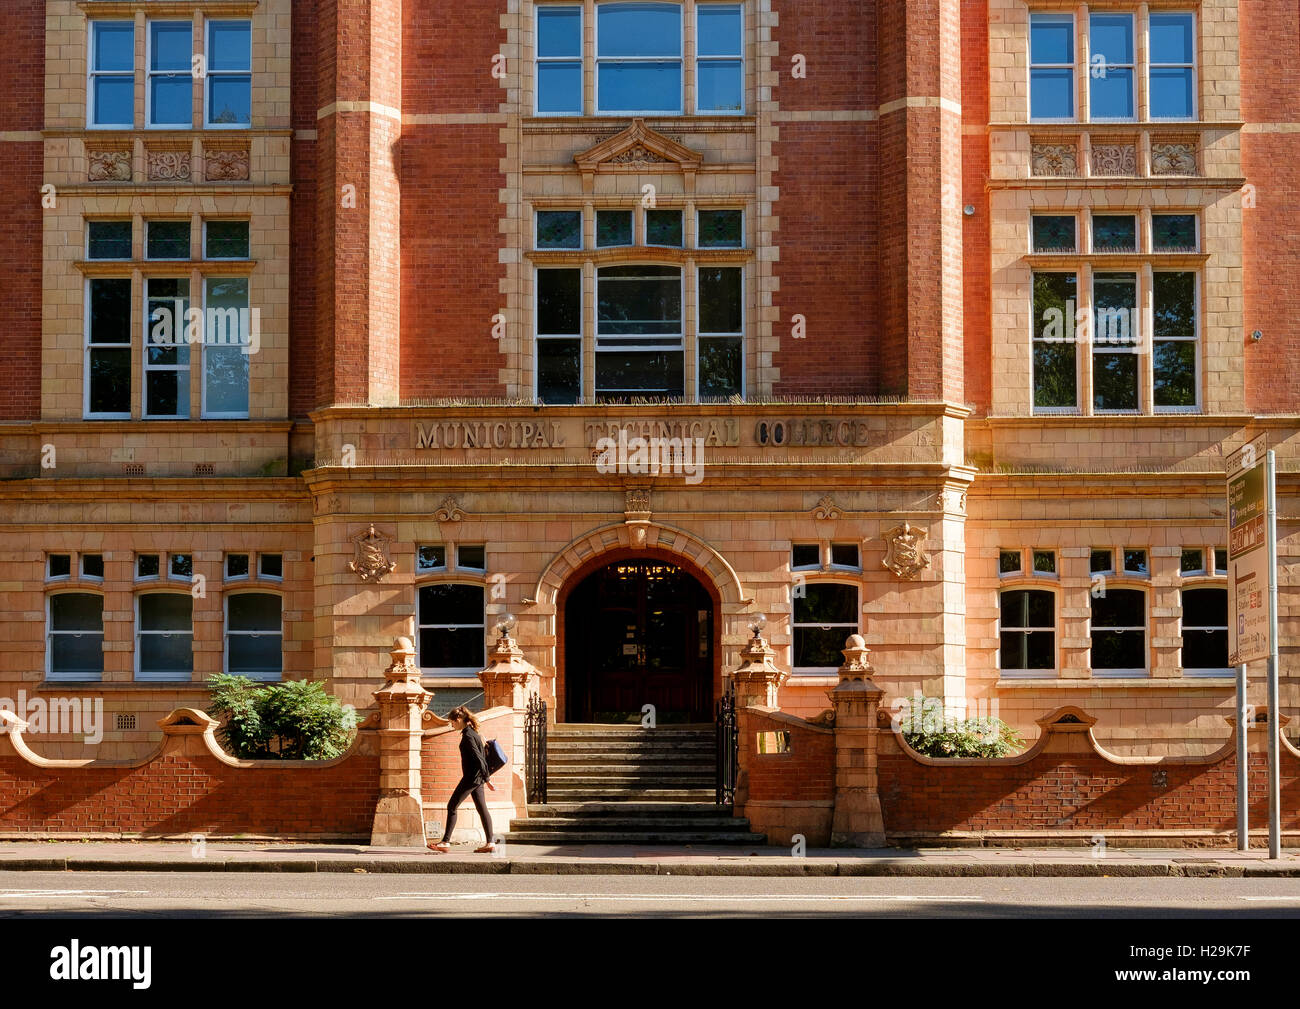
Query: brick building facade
{"type": "Point", "coordinates": [816, 247]}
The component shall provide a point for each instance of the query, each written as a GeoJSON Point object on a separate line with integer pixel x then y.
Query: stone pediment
{"type": "Point", "coordinates": [638, 148]}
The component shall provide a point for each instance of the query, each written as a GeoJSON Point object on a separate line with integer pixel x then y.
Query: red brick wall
{"type": "Point", "coordinates": [302, 214]}
{"type": "Point", "coordinates": [186, 793]}
{"type": "Point", "coordinates": [806, 772]}
{"type": "Point", "coordinates": [1270, 93]}
{"type": "Point", "coordinates": [977, 304]}
{"type": "Point", "coordinates": [22, 85]}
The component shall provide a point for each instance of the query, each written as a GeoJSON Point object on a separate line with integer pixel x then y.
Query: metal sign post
{"type": "Point", "coordinates": [1274, 713]}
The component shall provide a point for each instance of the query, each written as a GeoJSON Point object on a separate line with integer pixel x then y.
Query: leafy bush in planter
{"type": "Point", "coordinates": [293, 720]}
{"type": "Point", "coordinates": [928, 729]}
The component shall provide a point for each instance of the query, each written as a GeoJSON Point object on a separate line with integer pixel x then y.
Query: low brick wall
{"type": "Point", "coordinates": [1068, 789]}
{"type": "Point", "coordinates": [440, 773]}
{"type": "Point", "coordinates": [188, 786]}
{"type": "Point", "coordinates": [783, 794]}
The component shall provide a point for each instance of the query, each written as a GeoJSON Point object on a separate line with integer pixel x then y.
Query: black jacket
{"type": "Point", "coordinates": [473, 761]}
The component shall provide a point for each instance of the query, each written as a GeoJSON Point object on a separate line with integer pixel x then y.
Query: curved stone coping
{"type": "Point", "coordinates": [180, 723]}
{"type": "Point", "coordinates": [784, 717]}
{"type": "Point", "coordinates": [1057, 735]}
{"type": "Point", "coordinates": [441, 726]}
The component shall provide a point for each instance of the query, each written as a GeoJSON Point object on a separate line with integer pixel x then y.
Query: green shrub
{"type": "Point", "coordinates": [928, 729]}
{"type": "Point", "coordinates": [293, 720]}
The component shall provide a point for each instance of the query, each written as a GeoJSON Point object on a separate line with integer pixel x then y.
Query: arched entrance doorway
{"type": "Point", "coordinates": [638, 631]}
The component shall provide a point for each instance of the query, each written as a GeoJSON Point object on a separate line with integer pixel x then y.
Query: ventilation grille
{"type": "Point", "coordinates": [125, 723]}
{"type": "Point", "coordinates": [203, 469]}
{"type": "Point", "coordinates": [133, 468]}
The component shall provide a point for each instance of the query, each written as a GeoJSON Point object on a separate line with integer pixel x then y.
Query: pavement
{"type": "Point", "coordinates": [635, 860]}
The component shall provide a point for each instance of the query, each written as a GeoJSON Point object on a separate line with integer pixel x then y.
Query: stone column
{"type": "Point", "coordinates": [757, 678]}
{"type": "Point", "coordinates": [857, 821]}
{"type": "Point", "coordinates": [399, 816]}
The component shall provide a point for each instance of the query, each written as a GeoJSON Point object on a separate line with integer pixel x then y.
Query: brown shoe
{"type": "Point", "coordinates": [485, 849]}
{"type": "Point", "coordinates": [439, 847]}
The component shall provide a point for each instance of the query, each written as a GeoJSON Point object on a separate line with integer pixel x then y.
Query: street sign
{"type": "Point", "coordinates": [1248, 560]}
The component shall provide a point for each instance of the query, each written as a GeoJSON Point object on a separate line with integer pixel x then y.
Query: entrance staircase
{"type": "Point", "coordinates": [622, 784]}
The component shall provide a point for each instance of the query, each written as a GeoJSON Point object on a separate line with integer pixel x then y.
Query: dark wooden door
{"type": "Point", "coordinates": [636, 633]}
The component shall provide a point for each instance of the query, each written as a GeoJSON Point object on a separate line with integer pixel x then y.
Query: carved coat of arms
{"type": "Point", "coordinates": [371, 561]}
{"type": "Point", "coordinates": [903, 553]}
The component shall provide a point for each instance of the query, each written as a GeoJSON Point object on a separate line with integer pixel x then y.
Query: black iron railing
{"type": "Point", "coordinates": [535, 749]}
{"type": "Point", "coordinates": [728, 748]}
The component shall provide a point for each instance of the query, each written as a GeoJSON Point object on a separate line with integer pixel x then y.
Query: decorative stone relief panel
{"type": "Point", "coordinates": [1054, 159]}
{"type": "Point", "coordinates": [225, 165]}
{"type": "Point", "coordinates": [1173, 158]}
{"type": "Point", "coordinates": [108, 166]}
{"type": "Point", "coordinates": [1114, 159]}
{"type": "Point", "coordinates": [168, 166]}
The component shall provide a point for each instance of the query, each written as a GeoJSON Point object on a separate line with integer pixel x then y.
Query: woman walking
{"type": "Point", "coordinates": [473, 776]}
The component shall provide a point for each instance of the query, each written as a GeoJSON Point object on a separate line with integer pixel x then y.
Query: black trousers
{"type": "Point", "coordinates": [467, 787]}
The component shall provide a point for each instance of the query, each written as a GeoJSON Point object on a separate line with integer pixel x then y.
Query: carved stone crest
{"type": "Point", "coordinates": [903, 553]}
{"type": "Point", "coordinates": [450, 511]}
{"type": "Point", "coordinates": [636, 515]}
{"type": "Point", "coordinates": [371, 561]}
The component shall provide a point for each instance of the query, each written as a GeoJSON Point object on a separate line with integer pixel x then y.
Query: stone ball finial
{"type": "Point", "coordinates": [402, 646]}
{"type": "Point", "coordinates": [855, 641]}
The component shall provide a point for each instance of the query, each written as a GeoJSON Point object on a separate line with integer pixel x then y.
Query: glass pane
{"type": "Point", "coordinates": [805, 555]}
{"type": "Point", "coordinates": [1171, 38]}
{"type": "Point", "coordinates": [1119, 650]}
{"type": "Point", "coordinates": [634, 300]}
{"type": "Point", "coordinates": [1192, 561]}
{"type": "Point", "coordinates": [1220, 561]}
{"type": "Point", "coordinates": [110, 381]}
{"type": "Point", "coordinates": [471, 557]}
{"type": "Point", "coordinates": [820, 647]}
{"type": "Point", "coordinates": [1028, 608]}
{"type": "Point", "coordinates": [1111, 36]}
{"type": "Point", "coordinates": [110, 311]}
{"type": "Point", "coordinates": [1174, 303]}
{"type": "Point", "coordinates": [254, 654]}
{"type": "Point", "coordinates": [1054, 375]}
{"type": "Point", "coordinates": [720, 309]}
{"type": "Point", "coordinates": [845, 554]}
{"type": "Point", "coordinates": [639, 29]}
{"type": "Point", "coordinates": [230, 99]}
{"type": "Point", "coordinates": [1114, 298]}
{"type": "Point", "coordinates": [1111, 96]}
{"type": "Point", "coordinates": [1114, 380]}
{"type": "Point", "coordinates": [451, 604]}
{"type": "Point", "coordinates": [647, 373]}
{"type": "Point", "coordinates": [167, 653]}
{"type": "Point", "coordinates": [92, 565]}
{"type": "Point", "coordinates": [559, 31]}
{"type": "Point", "coordinates": [720, 367]}
{"type": "Point", "coordinates": [60, 565]}
{"type": "Point", "coordinates": [720, 86]}
{"type": "Point", "coordinates": [1174, 363]}
{"type": "Point", "coordinates": [109, 239]}
{"type": "Point", "coordinates": [720, 229]}
{"type": "Point", "coordinates": [559, 229]}
{"type": "Point", "coordinates": [1011, 650]}
{"type": "Point", "coordinates": [78, 611]}
{"type": "Point", "coordinates": [559, 87]}
{"type": "Point", "coordinates": [452, 648]}
{"type": "Point", "coordinates": [146, 566]}
{"type": "Point", "coordinates": [226, 331]}
{"type": "Point", "coordinates": [1053, 233]}
{"type": "Point", "coordinates": [114, 45]}
{"type": "Point", "coordinates": [271, 565]}
{"type": "Point", "coordinates": [1204, 608]}
{"type": "Point", "coordinates": [1119, 608]}
{"type": "Point", "coordinates": [827, 603]}
{"type": "Point", "coordinates": [114, 101]}
{"type": "Point", "coordinates": [1171, 93]}
{"type": "Point", "coordinates": [167, 240]}
{"type": "Point", "coordinates": [226, 240]}
{"type": "Point", "coordinates": [1205, 649]}
{"type": "Point", "coordinates": [253, 611]}
{"type": "Point", "coordinates": [167, 393]}
{"type": "Point", "coordinates": [719, 30]}
{"type": "Point", "coordinates": [639, 87]}
{"type": "Point", "coordinates": [1041, 650]}
{"type": "Point", "coordinates": [77, 654]}
{"type": "Point", "coordinates": [1009, 562]}
{"type": "Point", "coordinates": [559, 302]}
{"type": "Point", "coordinates": [237, 566]}
{"type": "Point", "coordinates": [663, 227]}
{"type": "Point", "coordinates": [170, 45]}
{"type": "Point", "coordinates": [166, 611]}
{"type": "Point", "coordinates": [225, 374]}
{"type": "Point", "coordinates": [1101, 560]}
{"type": "Point", "coordinates": [1051, 94]}
{"type": "Point", "coordinates": [1135, 560]}
{"type": "Point", "coordinates": [1051, 39]}
{"type": "Point", "coordinates": [1114, 233]}
{"type": "Point", "coordinates": [559, 364]}
{"type": "Point", "coordinates": [1173, 232]}
{"type": "Point", "coordinates": [1045, 562]}
{"type": "Point", "coordinates": [167, 307]}
{"type": "Point", "coordinates": [229, 45]}
{"type": "Point", "coordinates": [613, 227]}
{"type": "Point", "coordinates": [170, 101]}
{"type": "Point", "coordinates": [431, 558]}
{"type": "Point", "coordinates": [1055, 302]}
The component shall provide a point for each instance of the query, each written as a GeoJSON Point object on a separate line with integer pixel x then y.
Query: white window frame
{"type": "Point", "coordinates": [1068, 338]}
{"type": "Point", "coordinates": [226, 576]}
{"type": "Point", "coordinates": [90, 348]}
{"type": "Point", "coordinates": [108, 220]}
{"type": "Point", "coordinates": [1094, 213]}
{"type": "Point", "coordinates": [1133, 346]}
{"type": "Point", "coordinates": [855, 628]}
{"type": "Point", "coordinates": [830, 555]}
{"type": "Point", "coordinates": [581, 59]}
{"type": "Point", "coordinates": [1200, 584]}
{"type": "Point", "coordinates": [738, 58]}
{"type": "Point", "coordinates": [1020, 571]}
{"type": "Point", "coordinates": [469, 567]}
{"type": "Point", "coordinates": [639, 348]}
{"type": "Point", "coordinates": [205, 413]}
{"type": "Point", "coordinates": [209, 74]}
{"type": "Point", "coordinates": [139, 634]}
{"type": "Point", "coordinates": [150, 73]}
{"type": "Point", "coordinates": [1056, 562]}
{"type": "Point", "coordinates": [1050, 252]}
{"type": "Point", "coordinates": [81, 566]}
{"type": "Point", "coordinates": [582, 320]}
{"type": "Point", "coordinates": [645, 227]}
{"type": "Point", "coordinates": [1194, 339]}
{"type": "Point", "coordinates": [805, 567]}
{"type": "Point", "coordinates": [1054, 671]}
{"type": "Point", "coordinates": [1200, 572]}
{"type": "Point", "coordinates": [135, 566]}
{"type": "Point", "coordinates": [262, 575]}
{"type": "Point", "coordinates": [1132, 67]}
{"type": "Point", "coordinates": [92, 73]}
{"type": "Point", "coordinates": [538, 246]}
{"type": "Point", "coordinates": [701, 336]}
{"type": "Point", "coordinates": [1193, 66]}
{"type": "Point", "coordinates": [1030, 66]}
{"type": "Point", "coordinates": [178, 336]}
{"type": "Point", "coordinates": [1145, 628]}
{"type": "Point", "coordinates": [419, 569]}
{"type": "Point", "coordinates": [50, 632]}
{"type": "Point", "coordinates": [1165, 212]}
{"type": "Point", "coordinates": [227, 633]}
{"type": "Point", "coordinates": [597, 60]}
{"type": "Point", "coordinates": [714, 248]}
{"type": "Point", "coordinates": [1135, 572]}
{"type": "Point", "coordinates": [428, 671]}
{"type": "Point", "coordinates": [189, 229]}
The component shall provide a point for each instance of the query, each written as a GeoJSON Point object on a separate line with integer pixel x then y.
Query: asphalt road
{"type": "Point", "coordinates": [378, 895]}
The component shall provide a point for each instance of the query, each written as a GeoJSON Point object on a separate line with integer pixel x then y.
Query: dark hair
{"type": "Point", "coordinates": [463, 714]}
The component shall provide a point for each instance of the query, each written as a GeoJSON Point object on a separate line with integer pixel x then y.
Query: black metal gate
{"type": "Point", "coordinates": [535, 749]}
{"type": "Point", "coordinates": [728, 747]}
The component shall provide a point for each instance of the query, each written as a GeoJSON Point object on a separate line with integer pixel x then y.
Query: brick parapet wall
{"type": "Point", "coordinates": [440, 773]}
{"type": "Point", "coordinates": [784, 794]}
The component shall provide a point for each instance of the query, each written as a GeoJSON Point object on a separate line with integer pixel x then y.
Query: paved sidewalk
{"type": "Point", "coordinates": [651, 860]}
